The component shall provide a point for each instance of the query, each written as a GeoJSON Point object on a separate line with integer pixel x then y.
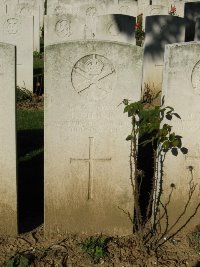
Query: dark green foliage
{"type": "Point", "coordinates": [23, 94]}
{"type": "Point", "coordinates": [22, 259]}
{"type": "Point", "coordinates": [96, 247]}
{"type": "Point", "coordinates": [38, 60]}
{"type": "Point", "coordinates": [149, 122]}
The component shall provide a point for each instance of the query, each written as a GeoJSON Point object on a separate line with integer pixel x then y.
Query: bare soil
{"type": "Point", "coordinates": [67, 251]}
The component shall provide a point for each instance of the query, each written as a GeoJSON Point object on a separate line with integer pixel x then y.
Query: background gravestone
{"type": "Point", "coordinates": [19, 31]}
{"type": "Point", "coordinates": [181, 88]}
{"type": "Point", "coordinates": [197, 30]}
{"type": "Point", "coordinates": [191, 13]}
{"type": "Point", "coordinates": [30, 10]}
{"type": "Point", "coordinates": [160, 2]}
{"type": "Point", "coordinates": [86, 156]}
{"type": "Point", "coordinates": [60, 28]}
{"type": "Point", "coordinates": [116, 27]}
{"type": "Point", "coordinates": [8, 181]}
{"type": "Point", "coordinates": [160, 30]}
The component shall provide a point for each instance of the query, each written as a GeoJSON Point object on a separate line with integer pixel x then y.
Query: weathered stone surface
{"type": "Point", "coordinates": [19, 31]}
{"type": "Point", "coordinates": [86, 155]}
{"type": "Point", "coordinates": [181, 88]}
{"type": "Point", "coordinates": [116, 27]}
{"type": "Point", "coordinates": [8, 181]}
{"type": "Point", "coordinates": [160, 30]}
{"type": "Point", "coordinates": [60, 28]}
{"type": "Point", "coordinates": [30, 10]}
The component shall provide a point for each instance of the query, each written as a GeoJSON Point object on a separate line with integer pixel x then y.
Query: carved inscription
{"type": "Point", "coordinates": [63, 28]}
{"type": "Point", "coordinates": [196, 78]}
{"type": "Point", "coordinates": [90, 25]}
{"type": "Point", "coordinates": [154, 11]}
{"type": "Point", "coordinates": [91, 12]}
{"type": "Point", "coordinates": [90, 160]}
{"type": "Point", "coordinates": [11, 26]}
{"type": "Point", "coordinates": [59, 10]}
{"type": "Point", "coordinates": [93, 76]}
{"type": "Point", "coordinates": [124, 10]}
{"type": "Point", "coordinates": [112, 30]}
{"type": "Point", "coordinates": [25, 11]}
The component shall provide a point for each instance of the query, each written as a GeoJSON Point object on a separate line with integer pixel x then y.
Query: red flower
{"type": "Point", "coordinates": [173, 8]}
{"type": "Point", "coordinates": [137, 25]}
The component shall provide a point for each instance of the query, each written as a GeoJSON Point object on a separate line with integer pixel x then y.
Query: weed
{"type": "Point", "coordinates": [22, 259]}
{"type": "Point", "coordinates": [23, 94]}
{"type": "Point", "coordinates": [96, 247]}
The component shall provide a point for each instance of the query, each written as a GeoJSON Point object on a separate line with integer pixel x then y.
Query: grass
{"type": "Point", "coordinates": [30, 119]}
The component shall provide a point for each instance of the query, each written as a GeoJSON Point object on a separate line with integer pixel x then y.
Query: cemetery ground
{"type": "Point", "coordinates": [32, 248]}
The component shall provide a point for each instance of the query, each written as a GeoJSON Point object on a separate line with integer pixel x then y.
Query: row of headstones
{"type": "Point", "coordinates": [126, 7]}
{"type": "Point", "coordinates": [87, 184]}
{"type": "Point", "coordinates": [22, 29]}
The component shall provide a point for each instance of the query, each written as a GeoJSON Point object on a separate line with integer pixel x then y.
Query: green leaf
{"type": "Point", "coordinates": [174, 151]}
{"type": "Point", "coordinates": [24, 262]}
{"type": "Point", "coordinates": [176, 114]}
{"type": "Point", "coordinates": [184, 150]}
{"type": "Point", "coordinates": [125, 101]}
{"type": "Point", "coordinates": [129, 137]}
{"type": "Point", "coordinates": [10, 262]}
{"type": "Point", "coordinates": [177, 142]}
{"type": "Point", "coordinates": [168, 117]}
{"type": "Point", "coordinates": [163, 100]}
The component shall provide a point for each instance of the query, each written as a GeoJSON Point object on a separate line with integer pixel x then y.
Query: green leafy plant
{"type": "Point", "coordinates": [139, 32]}
{"type": "Point", "coordinates": [149, 124]}
{"type": "Point", "coordinates": [96, 247]}
{"type": "Point", "coordinates": [22, 259]}
{"type": "Point", "coordinates": [23, 94]}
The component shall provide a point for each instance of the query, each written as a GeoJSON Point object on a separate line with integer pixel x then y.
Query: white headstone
{"type": "Point", "coordinates": [60, 28]}
{"type": "Point", "coordinates": [181, 88]}
{"type": "Point", "coordinates": [86, 156]}
{"type": "Point", "coordinates": [31, 10]}
{"type": "Point", "coordinates": [8, 180]}
{"type": "Point", "coordinates": [160, 30]}
{"type": "Point", "coordinates": [19, 31]}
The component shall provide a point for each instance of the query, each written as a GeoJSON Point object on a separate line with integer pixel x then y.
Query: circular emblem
{"type": "Point", "coordinates": [91, 12]}
{"type": "Point", "coordinates": [59, 10]}
{"type": "Point", "coordinates": [25, 11]}
{"type": "Point", "coordinates": [63, 28]}
{"type": "Point", "coordinates": [195, 78]}
{"type": "Point", "coordinates": [11, 26]}
{"type": "Point", "coordinates": [93, 76]}
{"type": "Point", "coordinates": [124, 9]}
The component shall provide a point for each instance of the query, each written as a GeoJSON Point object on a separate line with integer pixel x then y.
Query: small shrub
{"type": "Point", "coordinates": [22, 94]}
{"type": "Point", "coordinates": [96, 247]}
{"type": "Point", "coordinates": [22, 259]}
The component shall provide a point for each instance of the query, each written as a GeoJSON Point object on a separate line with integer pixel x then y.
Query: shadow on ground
{"type": "Point", "coordinates": [30, 179]}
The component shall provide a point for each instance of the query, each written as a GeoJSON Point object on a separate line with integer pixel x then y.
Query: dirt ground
{"type": "Point", "coordinates": [67, 251]}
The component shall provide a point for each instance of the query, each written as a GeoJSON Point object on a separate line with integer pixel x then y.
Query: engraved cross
{"type": "Point", "coordinates": [90, 160]}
